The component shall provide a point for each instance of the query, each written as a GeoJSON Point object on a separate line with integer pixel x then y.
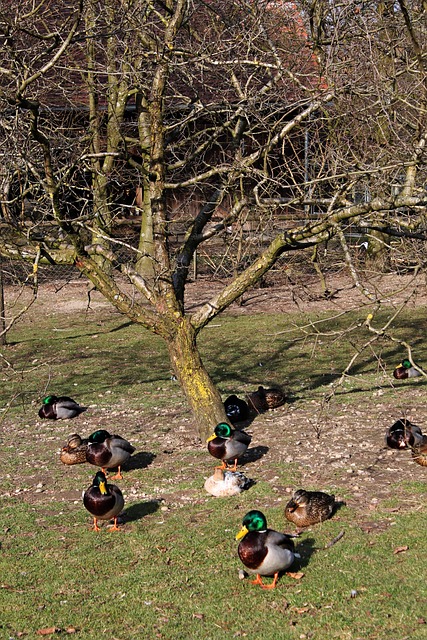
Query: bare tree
{"type": "Point", "coordinates": [216, 113]}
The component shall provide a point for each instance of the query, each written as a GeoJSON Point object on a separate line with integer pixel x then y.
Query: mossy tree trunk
{"type": "Point", "coordinates": [201, 393]}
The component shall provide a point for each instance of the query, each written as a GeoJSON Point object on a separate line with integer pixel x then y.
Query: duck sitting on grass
{"type": "Point", "coordinates": [406, 370]}
{"type": "Point", "coordinates": [306, 508]}
{"type": "Point", "coordinates": [60, 408]}
{"type": "Point", "coordinates": [419, 452]}
{"type": "Point", "coordinates": [263, 551]}
{"type": "Point", "coordinates": [237, 410]}
{"type": "Point", "coordinates": [108, 451]}
{"type": "Point", "coordinates": [228, 444]}
{"type": "Point", "coordinates": [103, 501]}
{"type": "Point", "coordinates": [403, 434]}
{"type": "Point", "coordinates": [227, 483]}
{"type": "Point", "coordinates": [74, 451]}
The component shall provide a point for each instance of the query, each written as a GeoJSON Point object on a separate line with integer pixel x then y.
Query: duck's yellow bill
{"type": "Point", "coordinates": [243, 531]}
{"type": "Point", "coordinates": [211, 437]}
{"type": "Point", "coordinates": [103, 488]}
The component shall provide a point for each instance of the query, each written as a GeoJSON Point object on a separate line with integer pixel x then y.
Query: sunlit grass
{"type": "Point", "coordinates": [172, 572]}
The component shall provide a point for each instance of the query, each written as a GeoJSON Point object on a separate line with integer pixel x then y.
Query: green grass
{"type": "Point", "coordinates": [172, 572]}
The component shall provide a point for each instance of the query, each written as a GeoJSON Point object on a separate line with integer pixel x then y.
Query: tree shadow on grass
{"type": "Point", "coordinates": [139, 510]}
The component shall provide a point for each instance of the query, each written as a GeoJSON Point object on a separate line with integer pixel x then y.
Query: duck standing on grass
{"type": "Point", "coordinates": [306, 508]}
{"type": "Point", "coordinates": [60, 408]}
{"type": "Point", "coordinates": [108, 451]}
{"type": "Point", "coordinates": [228, 444]}
{"type": "Point", "coordinates": [103, 501]}
{"type": "Point", "coordinates": [263, 551]}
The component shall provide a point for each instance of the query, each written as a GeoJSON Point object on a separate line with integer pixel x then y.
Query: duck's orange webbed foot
{"type": "Point", "coordinates": [258, 581]}
{"type": "Point", "coordinates": [223, 466]}
{"type": "Point", "coordinates": [118, 475]}
{"type": "Point", "coordinates": [114, 527]}
{"type": "Point", "coordinates": [273, 584]}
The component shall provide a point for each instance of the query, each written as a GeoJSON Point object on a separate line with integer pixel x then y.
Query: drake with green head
{"type": "Point", "coordinates": [263, 551]}
{"type": "Point", "coordinates": [228, 444]}
{"type": "Point", "coordinates": [103, 501]}
{"type": "Point", "coordinates": [108, 451]}
{"type": "Point", "coordinates": [406, 370]}
{"type": "Point", "coordinates": [60, 408]}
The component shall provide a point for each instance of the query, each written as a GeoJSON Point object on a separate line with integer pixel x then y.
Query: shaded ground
{"type": "Point", "coordinates": [340, 449]}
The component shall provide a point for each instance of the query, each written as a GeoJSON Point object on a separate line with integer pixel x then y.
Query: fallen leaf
{"type": "Point", "coordinates": [296, 576]}
{"type": "Point", "coordinates": [199, 616]}
{"type": "Point", "coordinates": [48, 631]}
{"type": "Point", "coordinates": [401, 549]}
{"type": "Point", "coordinates": [71, 630]}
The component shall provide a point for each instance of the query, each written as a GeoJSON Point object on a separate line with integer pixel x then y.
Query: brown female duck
{"type": "Point", "coordinates": [74, 451]}
{"type": "Point", "coordinates": [306, 508]}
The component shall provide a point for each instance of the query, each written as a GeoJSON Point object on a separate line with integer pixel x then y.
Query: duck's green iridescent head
{"type": "Point", "coordinates": [99, 436]}
{"type": "Point", "coordinates": [49, 400]}
{"type": "Point", "coordinates": [222, 430]}
{"type": "Point", "coordinates": [406, 364]}
{"type": "Point", "coordinates": [100, 481]}
{"type": "Point", "coordinates": [253, 521]}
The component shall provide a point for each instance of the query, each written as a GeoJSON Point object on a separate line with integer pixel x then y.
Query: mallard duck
{"type": "Point", "coordinates": [406, 370]}
{"type": "Point", "coordinates": [257, 400]}
{"type": "Point", "coordinates": [419, 452]}
{"type": "Point", "coordinates": [226, 483]}
{"type": "Point", "coordinates": [103, 501]}
{"type": "Point", "coordinates": [228, 444]}
{"type": "Point", "coordinates": [274, 397]}
{"type": "Point", "coordinates": [263, 551]}
{"type": "Point", "coordinates": [403, 434]}
{"type": "Point", "coordinates": [108, 451]}
{"type": "Point", "coordinates": [60, 408]}
{"type": "Point", "coordinates": [236, 409]}
{"type": "Point", "coordinates": [263, 399]}
{"type": "Point", "coordinates": [75, 450]}
{"type": "Point", "coordinates": [309, 507]}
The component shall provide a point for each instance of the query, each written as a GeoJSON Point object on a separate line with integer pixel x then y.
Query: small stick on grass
{"type": "Point", "coordinates": [334, 540]}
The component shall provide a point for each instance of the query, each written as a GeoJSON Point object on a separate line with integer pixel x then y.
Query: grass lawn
{"type": "Point", "coordinates": [172, 571]}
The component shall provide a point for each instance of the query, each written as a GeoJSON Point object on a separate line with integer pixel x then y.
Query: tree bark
{"type": "Point", "coordinates": [202, 396]}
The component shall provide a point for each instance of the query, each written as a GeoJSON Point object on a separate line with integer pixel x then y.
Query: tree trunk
{"type": "Point", "coordinates": [201, 393]}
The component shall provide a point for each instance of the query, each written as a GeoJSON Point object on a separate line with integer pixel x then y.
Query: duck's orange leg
{"type": "Point", "coordinates": [118, 475]}
{"type": "Point", "coordinates": [223, 466]}
{"type": "Point", "coordinates": [95, 525]}
{"type": "Point", "coordinates": [114, 527]}
{"type": "Point", "coordinates": [258, 580]}
{"type": "Point", "coordinates": [273, 584]}
{"type": "Point", "coordinates": [235, 466]}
